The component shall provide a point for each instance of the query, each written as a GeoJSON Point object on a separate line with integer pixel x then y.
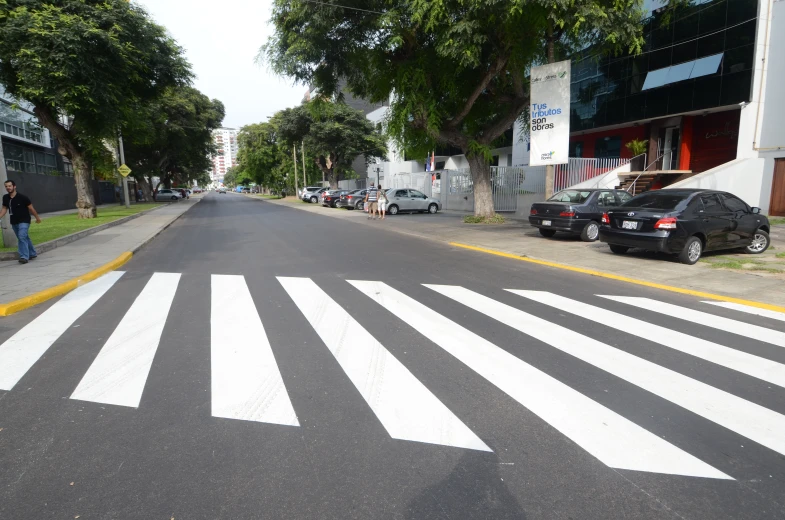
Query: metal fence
{"type": "Point", "coordinates": [421, 181]}
{"type": "Point", "coordinates": [578, 170]}
{"type": "Point", "coordinates": [353, 184]}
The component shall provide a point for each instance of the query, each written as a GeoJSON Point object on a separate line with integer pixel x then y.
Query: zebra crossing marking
{"type": "Point", "coordinates": [404, 406]}
{"type": "Point", "coordinates": [747, 419]}
{"type": "Point", "coordinates": [703, 318]}
{"type": "Point", "coordinates": [606, 435]}
{"type": "Point", "coordinates": [119, 372]}
{"type": "Point", "coordinates": [20, 352]}
{"type": "Point", "coordinates": [245, 381]}
{"type": "Point", "coordinates": [749, 364]}
{"type": "Point", "coordinates": [766, 313]}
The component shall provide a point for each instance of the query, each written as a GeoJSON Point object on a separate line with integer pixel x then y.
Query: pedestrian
{"type": "Point", "coordinates": [139, 195]}
{"type": "Point", "coordinates": [19, 207]}
{"type": "Point", "coordinates": [371, 202]}
{"type": "Point", "coordinates": [382, 202]}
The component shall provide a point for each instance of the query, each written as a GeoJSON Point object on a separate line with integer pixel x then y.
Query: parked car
{"type": "Point", "coordinates": [408, 200]}
{"type": "Point", "coordinates": [246, 190]}
{"type": "Point", "coordinates": [331, 197]}
{"type": "Point", "coordinates": [577, 212]}
{"type": "Point", "coordinates": [312, 194]}
{"type": "Point", "coordinates": [352, 200]}
{"type": "Point", "coordinates": [222, 190]}
{"type": "Point", "coordinates": [167, 194]}
{"type": "Point", "coordinates": [198, 190]}
{"type": "Point", "coordinates": [685, 223]}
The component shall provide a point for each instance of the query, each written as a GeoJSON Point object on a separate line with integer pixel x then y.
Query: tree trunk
{"type": "Point", "coordinates": [147, 191]}
{"type": "Point", "coordinates": [481, 179]}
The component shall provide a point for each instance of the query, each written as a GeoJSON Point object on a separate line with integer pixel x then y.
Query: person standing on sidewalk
{"type": "Point", "coordinates": [371, 199]}
{"type": "Point", "coordinates": [382, 202]}
{"type": "Point", "coordinates": [19, 207]}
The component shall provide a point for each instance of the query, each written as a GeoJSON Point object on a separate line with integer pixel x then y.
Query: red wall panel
{"type": "Point", "coordinates": [714, 139]}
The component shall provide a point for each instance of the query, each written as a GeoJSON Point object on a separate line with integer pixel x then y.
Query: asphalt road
{"type": "Point", "coordinates": [259, 362]}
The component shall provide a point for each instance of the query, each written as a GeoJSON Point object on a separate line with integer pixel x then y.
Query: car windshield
{"type": "Point", "coordinates": [572, 196]}
{"type": "Point", "coordinates": [656, 200]}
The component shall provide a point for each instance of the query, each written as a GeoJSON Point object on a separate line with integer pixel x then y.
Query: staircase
{"type": "Point", "coordinates": [643, 181]}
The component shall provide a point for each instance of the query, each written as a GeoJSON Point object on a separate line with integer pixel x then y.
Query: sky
{"type": "Point", "coordinates": [221, 39]}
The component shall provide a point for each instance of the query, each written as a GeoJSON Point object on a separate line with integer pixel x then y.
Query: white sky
{"type": "Point", "coordinates": [221, 39]}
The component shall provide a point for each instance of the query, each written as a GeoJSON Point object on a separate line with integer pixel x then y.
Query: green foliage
{"type": "Point", "coordinates": [454, 71]}
{"type": "Point", "coordinates": [480, 219]}
{"type": "Point", "coordinates": [637, 146]}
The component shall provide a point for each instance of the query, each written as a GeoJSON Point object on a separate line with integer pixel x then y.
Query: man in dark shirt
{"type": "Point", "coordinates": [20, 208]}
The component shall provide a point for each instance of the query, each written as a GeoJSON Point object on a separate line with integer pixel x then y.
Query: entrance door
{"type": "Point", "coordinates": [670, 149]}
{"type": "Point", "coordinates": [777, 204]}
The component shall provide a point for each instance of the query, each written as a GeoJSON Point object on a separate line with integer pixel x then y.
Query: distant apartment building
{"type": "Point", "coordinates": [225, 140]}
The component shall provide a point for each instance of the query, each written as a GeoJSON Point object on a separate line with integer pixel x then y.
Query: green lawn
{"type": "Point", "coordinates": [271, 197]}
{"type": "Point", "coordinates": [776, 221]}
{"type": "Point", "coordinates": [61, 225]}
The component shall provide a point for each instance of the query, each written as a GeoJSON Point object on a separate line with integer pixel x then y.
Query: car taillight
{"type": "Point", "coordinates": [606, 219]}
{"type": "Point", "coordinates": [349, 196]}
{"type": "Point", "coordinates": [567, 214]}
{"type": "Point", "coordinates": [666, 223]}
{"type": "Point", "coordinates": [533, 212]}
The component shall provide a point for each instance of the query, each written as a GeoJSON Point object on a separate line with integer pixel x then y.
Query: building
{"type": "Point", "coordinates": [225, 140]}
{"type": "Point", "coordinates": [706, 94]}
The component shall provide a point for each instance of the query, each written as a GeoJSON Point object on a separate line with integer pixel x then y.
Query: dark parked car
{"type": "Point", "coordinates": [352, 200]}
{"type": "Point", "coordinates": [686, 223]}
{"type": "Point", "coordinates": [578, 212]}
{"type": "Point", "coordinates": [331, 197]}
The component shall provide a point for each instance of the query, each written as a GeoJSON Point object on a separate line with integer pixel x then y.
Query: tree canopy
{"type": "Point", "coordinates": [454, 71]}
{"type": "Point", "coordinates": [87, 66]}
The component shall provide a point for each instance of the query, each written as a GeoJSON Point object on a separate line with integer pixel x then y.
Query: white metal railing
{"type": "Point", "coordinates": [578, 170]}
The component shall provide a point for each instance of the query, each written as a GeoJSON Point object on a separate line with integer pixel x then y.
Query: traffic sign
{"type": "Point", "coordinates": [124, 170]}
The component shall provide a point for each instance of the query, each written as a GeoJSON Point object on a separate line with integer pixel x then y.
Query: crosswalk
{"type": "Point", "coordinates": [247, 384]}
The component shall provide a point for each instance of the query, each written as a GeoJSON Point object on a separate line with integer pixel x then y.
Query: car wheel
{"type": "Point", "coordinates": [547, 233]}
{"type": "Point", "coordinates": [760, 243]}
{"type": "Point", "coordinates": [314, 200]}
{"type": "Point", "coordinates": [392, 210]}
{"type": "Point", "coordinates": [432, 209]}
{"type": "Point", "coordinates": [174, 198]}
{"type": "Point", "coordinates": [360, 206]}
{"type": "Point", "coordinates": [619, 250]}
{"type": "Point", "coordinates": [692, 251]}
{"type": "Point", "coordinates": [590, 232]}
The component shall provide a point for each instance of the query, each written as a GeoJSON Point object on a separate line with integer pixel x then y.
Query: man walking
{"type": "Point", "coordinates": [371, 199]}
{"type": "Point", "coordinates": [19, 208]}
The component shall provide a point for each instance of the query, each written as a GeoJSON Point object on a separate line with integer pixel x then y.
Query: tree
{"type": "Point", "coordinates": [173, 141]}
{"type": "Point", "coordinates": [259, 154]}
{"type": "Point", "coordinates": [87, 66]}
{"type": "Point", "coordinates": [333, 135]}
{"type": "Point", "coordinates": [455, 71]}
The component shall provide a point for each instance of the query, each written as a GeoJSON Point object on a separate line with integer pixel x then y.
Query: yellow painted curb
{"type": "Point", "coordinates": [21, 304]}
{"type": "Point", "coordinates": [616, 277]}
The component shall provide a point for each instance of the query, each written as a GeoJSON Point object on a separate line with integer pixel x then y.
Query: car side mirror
{"type": "Point", "coordinates": [755, 211]}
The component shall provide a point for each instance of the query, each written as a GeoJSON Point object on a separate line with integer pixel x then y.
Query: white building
{"type": "Point", "coordinates": [225, 140]}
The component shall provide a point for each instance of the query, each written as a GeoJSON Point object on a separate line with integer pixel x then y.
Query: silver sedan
{"type": "Point", "coordinates": [408, 200]}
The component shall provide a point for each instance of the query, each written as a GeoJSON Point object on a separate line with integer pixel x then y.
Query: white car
{"type": "Point", "coordinates": [221, 190]}
{"type": "Point", "coordinates": [166, 194]}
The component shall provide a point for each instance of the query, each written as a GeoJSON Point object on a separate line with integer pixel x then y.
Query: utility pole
{"type": "Point", "coordinates": [302, 150]}
{"type": "Point", "coordinates": [9, 238]}
{"type": "Point", "coordinates": [125, 179]}
{"type": "Point", "coordinates": [294, 160]}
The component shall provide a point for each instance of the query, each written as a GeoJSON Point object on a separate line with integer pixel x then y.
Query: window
{"type": "Point", "coordinates": [734, 203]}
{"type": "Point", "coordinates": [417, 194]}
{"type": "Point", "coordinates": [623, 196]}
{"type": "Point", "coordinates": [711, 204]}
{"type": "Point", "coordinates": [606, 198]}
{"type": "Point", "coordinates": [572, 196]}
{"type": "Point", "coordinates": [401, 193]}
{"type": "Point", "coordinates": [576, 149]}
{"type": "Point", "coordinates": [683, 71]}
{"type": "Point", "coordinates": [656, 200]}
{"type": "Point", "coordinates": [607, 147]}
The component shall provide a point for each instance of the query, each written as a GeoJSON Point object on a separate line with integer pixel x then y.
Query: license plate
{"type": "Point", "coordinates": [546, 222]}
{"type": "Point", "coordinates": [629, 224]}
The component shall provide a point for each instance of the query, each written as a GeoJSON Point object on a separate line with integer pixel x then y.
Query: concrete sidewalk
{"type": "Point", "coordinates": [519, 238]}
{"type": "Point", "coordinates": [86, 254]}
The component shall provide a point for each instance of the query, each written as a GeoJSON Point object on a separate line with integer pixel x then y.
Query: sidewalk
{"type": "Point", "coordinates": [87, 254]}
{"type": "Point", "coordinates": [517, 237]}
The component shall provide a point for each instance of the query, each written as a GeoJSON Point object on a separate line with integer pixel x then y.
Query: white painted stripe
{"type": "Point", "coordinates": [245, 381]}
{"type": "Point", "coordinates": [766, 313]}
{"type": "Point", "coordinates": [404, 406]}
{"type": "Point", "coordinates": [703, 318]}
{"type": "Point", "coordinates": [23, 349]}
{"type": "Point", "coordinates": [743, 362]}
{"type": "Point", "coordinates": [608, 436]}
{"type": "Point", "coordinates": [753, 421]}
{"type": "Point", "coordinates": [119, 372]}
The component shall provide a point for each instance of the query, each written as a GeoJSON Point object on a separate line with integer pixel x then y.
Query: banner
{"type": "Point", "coordinates": [549, 114]}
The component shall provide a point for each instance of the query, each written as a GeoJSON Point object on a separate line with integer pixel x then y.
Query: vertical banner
{"type": "Point", "coordinates": [549, 113]}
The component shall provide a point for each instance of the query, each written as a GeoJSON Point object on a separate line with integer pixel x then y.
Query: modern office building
{"type": "Point", "coordinates": [225, 140]}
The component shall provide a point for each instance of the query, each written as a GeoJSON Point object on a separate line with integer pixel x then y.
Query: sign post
{"type": "Point", "coordinates": [549, 115]}
{"type": "Point", "coordinates": [127, 170]}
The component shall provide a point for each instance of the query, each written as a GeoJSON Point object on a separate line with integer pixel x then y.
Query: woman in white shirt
{"type": "Point", "coordinates": [382, 202]}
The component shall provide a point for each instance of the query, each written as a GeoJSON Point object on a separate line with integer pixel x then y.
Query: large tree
{"type": "Point", "coordinates": [455, 71]}
{"type": "Point", "coordinates": [172, 139]}
{"type": "Point", "coordinates": [333, 134]}
{"type": "Point", "coordinates": [87, 66]}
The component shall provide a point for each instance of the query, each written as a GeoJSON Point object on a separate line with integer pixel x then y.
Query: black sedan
{"type": "Point", "coordinates": [331, 197]}
{"type": "Point", "coordinates": [352, 200]}
{"type": "Point", "coordinates": [575, 211]}
{"type": "Point", "coordinates": [685, 223]}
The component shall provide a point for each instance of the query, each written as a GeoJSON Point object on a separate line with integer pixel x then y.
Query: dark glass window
{"type": "Point", "coordinates": [736, 88]}
{"type": "Point", "coordinates": [576, 149]}
{"type": "Point", "coordinates": [680, 97]}
{"type": "Point", "coordinates": [741, 10]}
{"type": "Point", "coordinates": [707, 92]}
{"type": "Point", "coordinates": [685, 52]}
{"type": "Point", "coordinates": [712, 18]}
{"type": "Point", "coordinates": [608, 147]}
{"type": "Point", "coordinates": [742, 35]}
{"type": "Point", "coordinates": [713, 44]}
{"type": "Point", "coordinates": [733, 203]}
{"type": "Point", "coordinates": [656, 200]}
{"type": "Point", "coordinates": [738, 59]}
{"type": "Point", "coordinates": [711, 204]}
